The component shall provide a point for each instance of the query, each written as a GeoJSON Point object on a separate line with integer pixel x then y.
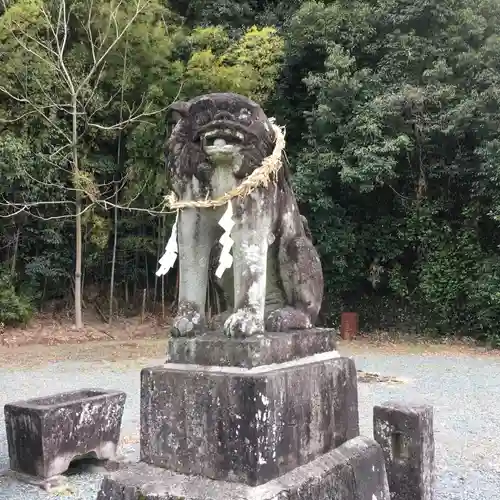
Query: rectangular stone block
{"type": "Point", "coordinates": [247, 425]}
{"type": "Point", "coordinates": [45, 434]}
{"type": "Point", "coordinates": [406, 435]}
{"type": "Point", "coordinates": [354, 471]}
{"type": "Point", "coordinates": [215, 349]}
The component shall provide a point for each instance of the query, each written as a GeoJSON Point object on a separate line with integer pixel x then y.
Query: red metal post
{"type": "Point", "coordinates": [348, 325]}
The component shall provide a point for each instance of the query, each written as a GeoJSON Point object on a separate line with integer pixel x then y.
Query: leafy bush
{"type": "Point", "coordinates": [398, 166]}
{"type": "Point", "coordinates": [14, 308]}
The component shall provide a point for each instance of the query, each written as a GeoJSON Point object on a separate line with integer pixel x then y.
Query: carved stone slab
{"type": "Point", "coordinates": [215, 349]}
{"type": "Point", "coordinates": [354, 471]}
{"type": "Point", "coordinates": [45, 434]}
{"type": "Point", "coordinates": [406, 434]}
{"type": "Point", "coordinates": [247, 425]}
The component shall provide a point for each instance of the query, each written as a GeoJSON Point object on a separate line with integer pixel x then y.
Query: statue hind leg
{"type": "Point", "coordinates": [302, 281]}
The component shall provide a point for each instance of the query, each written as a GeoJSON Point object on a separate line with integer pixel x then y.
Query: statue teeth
{"type": "Point", "coordinates": [219, 143]}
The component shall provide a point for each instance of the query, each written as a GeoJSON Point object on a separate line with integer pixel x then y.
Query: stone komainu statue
{"type": "Point", "coordinates": [275, 282]}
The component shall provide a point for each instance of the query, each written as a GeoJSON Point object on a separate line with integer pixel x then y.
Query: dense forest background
{"type": "Point", "coordinates": [393, 130]}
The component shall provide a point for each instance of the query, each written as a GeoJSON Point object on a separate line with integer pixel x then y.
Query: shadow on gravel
{"type": "Point", "coordinates": [374, 378]}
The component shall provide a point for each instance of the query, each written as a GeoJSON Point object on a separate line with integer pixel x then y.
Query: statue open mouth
{"type": "Point", "coordinates": [222, 138]}
{"type": "Point", "coordinates": [220, 142]}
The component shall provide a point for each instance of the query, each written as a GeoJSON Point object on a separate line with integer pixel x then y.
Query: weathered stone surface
{"type": "Point", "coordinates": [216, 349]}
{"type": "Point", "coordinates": [247, 425]}
{"type": "Point", "coordinates": [405, 433]}
{"type": "Point", "coordinates": [45, 434]}
{"type": "Point", "coordinates": [354, 471]}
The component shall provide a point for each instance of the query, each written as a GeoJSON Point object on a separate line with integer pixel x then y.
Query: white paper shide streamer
{"type": "Point", "coordinates": [168, 259]}
{"type": "Point", "coordinates": [227, 223]}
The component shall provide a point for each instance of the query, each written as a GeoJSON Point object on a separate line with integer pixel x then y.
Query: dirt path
{"type": "Point", "coordinates": [28, 356]}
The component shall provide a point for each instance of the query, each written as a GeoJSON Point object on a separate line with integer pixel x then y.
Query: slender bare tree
{"type": "Point", "coordinates": [79, 88]}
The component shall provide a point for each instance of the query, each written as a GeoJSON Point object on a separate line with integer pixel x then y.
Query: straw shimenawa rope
{"type": "Point", "coordinates": [259, 177]}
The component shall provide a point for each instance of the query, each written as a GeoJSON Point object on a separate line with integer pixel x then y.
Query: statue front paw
{"type": "Point", "coordinates": [243, 323]}
{"type": "Point", "coordinates": [187, 323]}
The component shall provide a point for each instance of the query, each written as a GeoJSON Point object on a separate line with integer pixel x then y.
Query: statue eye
{"type": "Point", "coordinates": [245, 116]}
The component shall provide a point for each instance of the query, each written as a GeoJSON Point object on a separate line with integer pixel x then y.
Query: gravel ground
{"type": "Point", "coordinates": [463, 389]}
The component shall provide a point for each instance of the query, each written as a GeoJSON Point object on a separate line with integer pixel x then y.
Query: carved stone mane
{"type": "Point", "coordinates": [275, 282]}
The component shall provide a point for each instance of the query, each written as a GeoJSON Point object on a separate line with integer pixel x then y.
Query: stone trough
{"type": "Point", "coordinates": [46, 434]}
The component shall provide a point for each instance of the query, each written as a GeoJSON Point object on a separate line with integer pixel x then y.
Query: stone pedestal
{"type": "Point", "coordinates": [217, 350]}
{"type": "Point", "coordinates": [354, 471]}
{"type": "Point", "coordinates": [254, 419]}
{"type": "Point", "coordinates": [248, 426]}
{"type": "Point", "coordinates": [406, 435]}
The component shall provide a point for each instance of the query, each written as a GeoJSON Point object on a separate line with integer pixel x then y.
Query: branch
{"type": "Point", "coordinates": [139, 117]}
{"type": "Point", "coordinates": [59, 217]}
{"type": "Point", "coordinates": [20, 117]}
{"type": "Point", "coordinates": [34, 53]}
{"type": "Point", "coordinates": [37, 109]}
{"type": "Point", "coordinates": [17, 212]}
{"type": "Point", "coordinates": [51, 184]}
{"type": "Point", "coordinates": [25, 207]}
{"type": "Point", "coordinates": [122, 182]}
{"type": "Point", "coordinates": [105, 105]}
{"type": "Point", "coordinates": [119, 35]}
{"type": "Point", "coordinates": [122, 186]}
{"type": "Point", "coordinates": [112, 17]}
{"type": "Point", "coordinates": [59, 150]}
{"type": "Point", "coordinates": [62, 46]}
{"type": "Point", "coordinates": [93, 90]}
{"type": "Point", "coordinates": [60, 107]}
{"type": "Point", "coordinates": [88, 29]}
{"type": "Point", "coordinates": [151, 211]}
{"type": "Point", "coordinates": [35, 203]}
{"type": "Point", "coordinates": [69, 172]}
{"type": "Point", "coordinates": [62, 20]}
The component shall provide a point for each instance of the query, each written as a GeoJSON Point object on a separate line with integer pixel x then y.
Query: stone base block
{"type": "Point", "coordinates": [215, 349]}
{"type": "Point", "coordinates": [247, 425]}
{"type": "Point", "coordinates": [405, 433]}
{"type": "Point", "coordinates": [45, 434]}
{"type": "Point", "coordinates": [354, 471]}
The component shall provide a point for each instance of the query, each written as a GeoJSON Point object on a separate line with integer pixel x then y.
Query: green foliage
{"type": "Point", "coordinates": [14, 308]}
{"type": "Point", "coordinates": [400, 167]}
{"type": "Point", "coordinates": [122, 63]}
{"type": "Point", "coordinates": [392, 112]}
{"type": "Point", "coordinates": [248, 66]}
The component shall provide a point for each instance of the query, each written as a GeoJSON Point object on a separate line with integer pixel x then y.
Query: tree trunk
{"type": "Point", "coordinates": [16, 250]}
{"type": "Point", "coordinates": [143, 307]}
{"type": "Point", "coordinates": [158, 250]}
{"type": "Point", "coordinates": [78, 220]}
{"type": "Point", "coordinates": [113, 260]}
{"type": "Point", "coordinates": [119, 163]}
{"type": "Point", "coordinates": [163, 277]}
{"type": "Point", "coordinates": [136, 274]}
